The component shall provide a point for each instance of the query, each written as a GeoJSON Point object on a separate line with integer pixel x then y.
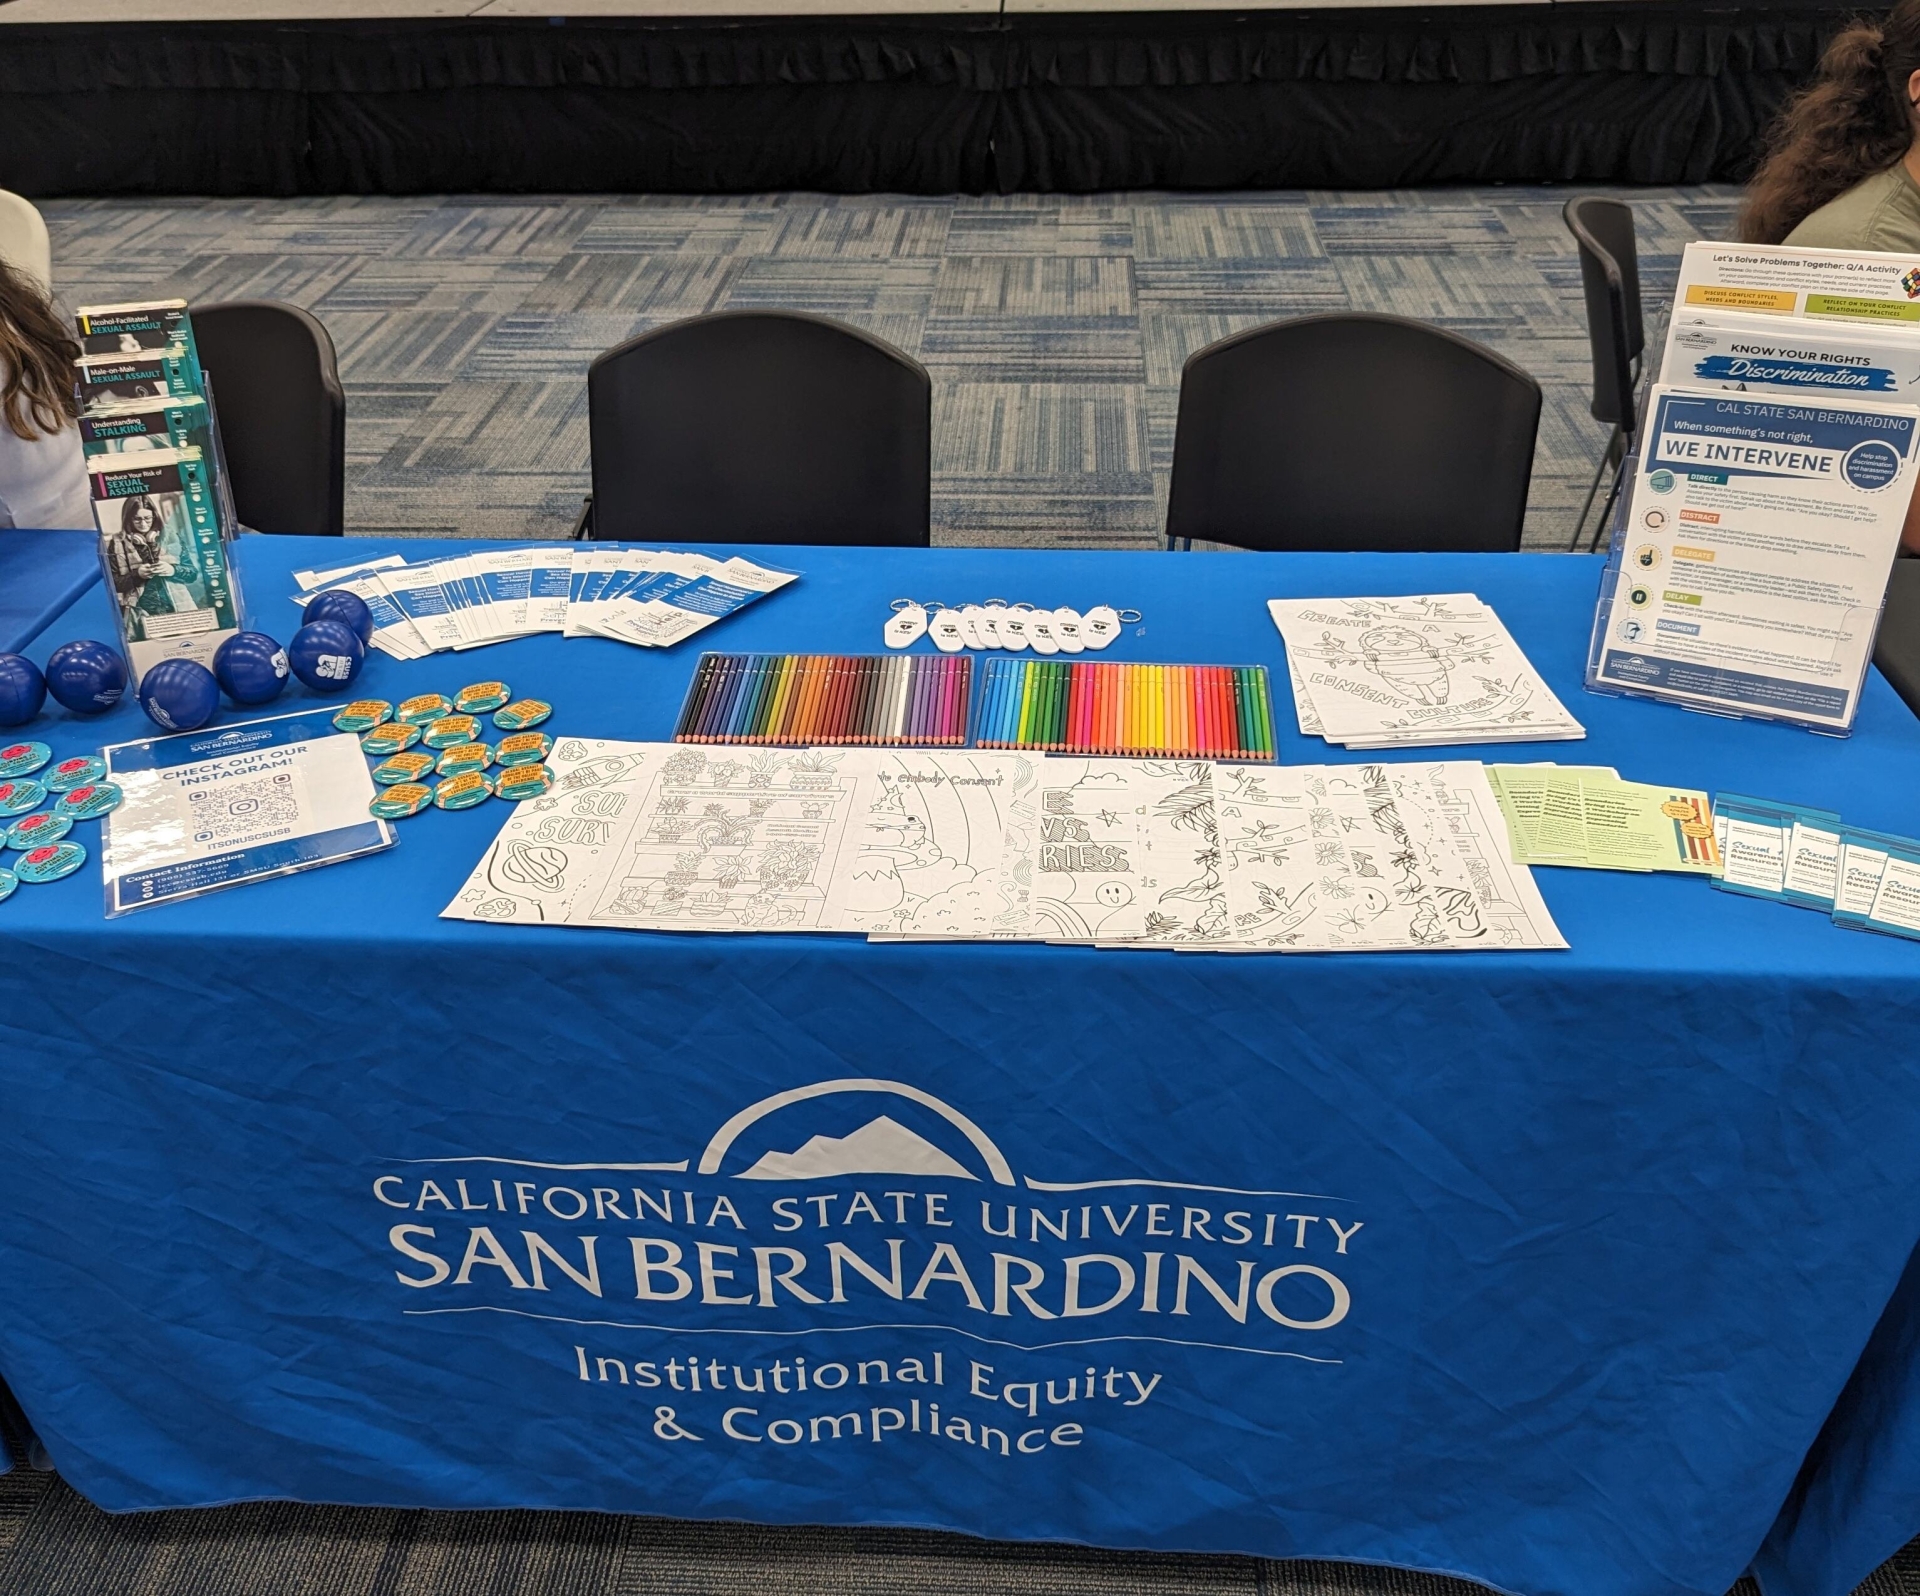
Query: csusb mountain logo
{"type": "Point", "coordinates": [860, 1208]}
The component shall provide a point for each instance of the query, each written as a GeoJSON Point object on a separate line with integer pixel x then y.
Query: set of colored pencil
{"type": "Point", "coordinates": [802, 700]}
{"type": "Point", "coordinates": [1104, 707]}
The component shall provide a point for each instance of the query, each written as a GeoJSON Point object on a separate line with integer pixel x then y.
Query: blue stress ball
{"type": "Point", "coordinates": [22, 690]}
{"type": "Point", "coordinates": [179, 694]}
{"type": "Point", "coordinates": [326, 656]}
{"type": "Point", "coordinates": [88, 677]}
{"type": "Point", "coordinates": [349, 609]}
{"type": "Point", "coordinates": [251, 668]}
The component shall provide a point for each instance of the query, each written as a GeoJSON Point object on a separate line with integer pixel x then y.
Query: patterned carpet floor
{"type": "Point", "coordinates": [53, 1544]}
{"type": "Point", "coordinates": [1054, 326]}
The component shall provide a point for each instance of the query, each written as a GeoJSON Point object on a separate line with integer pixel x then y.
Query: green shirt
{"type": "Point", "coordinates": [1882, 212]}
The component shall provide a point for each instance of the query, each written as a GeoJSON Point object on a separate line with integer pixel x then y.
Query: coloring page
{"type": "Point", "coordinates": [1318, 857]}
{"type": "Point", "coordinates": [928, 844]}
{"type": "Point", "coordinates": [1456, 798]}
{"type": "Point", "coordinates": [1013, 885]}
{"type": "Point", "coordinates": [1187, 891]}
{"type": "Point", "coordinates": [735, 839]}
{"type": "Point", "coordinates": [552, 845]}
{"type": "Point", "coordinates": [1087, 853]}
{"type": "Point", "coordinates": [1127, 851]}
{"type": "Point", "coordinates": [1279, 841]}
{"type": "Point", "coordinates": [1424, 833]}
{"type": "Point", "coordinates": [1431, 669]}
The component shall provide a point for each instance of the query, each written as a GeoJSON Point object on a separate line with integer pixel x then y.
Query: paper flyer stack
{"type": "Point", "coordinates": [1415, 671]}
{"type": "Point", "coordinates": [647, 597]}
{"type": "Point", "coordinates": [1586, 817]}
{"type": "Point", "coordinates": [988, 845]}
{"type": "Point", "coordinates": [160, 505]}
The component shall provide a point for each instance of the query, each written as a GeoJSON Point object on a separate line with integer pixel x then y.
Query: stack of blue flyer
{"type": "Point", "coordinates": [1812, 859]}
{"type": "Point", "coordinates": [650, 597]}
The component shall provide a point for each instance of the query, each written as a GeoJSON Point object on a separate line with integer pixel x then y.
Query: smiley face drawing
{"type": "Point", "coordinates": [1407, 662]}
{"type": "Point", "coordinates": [1113, 894]}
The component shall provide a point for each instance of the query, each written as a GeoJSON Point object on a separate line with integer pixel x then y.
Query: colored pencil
{"type": "Point", "coordinates": [730, 701]}
{"type": "Point", "coordinates": [869, 697]}
{"type": "Point", "coordinates": [917, 709]}
{"type": "Point", "coordinates": [716, 719]}
{"type": "Point", "coordinates": [757, 710]}
{"type": "Point", "coordinates": [937, 691]}
{"type": "Point", "coordinates": [696, 695]}
{"type": "Point", "coordinates": [843, 704]}
{"type": "Point", "coordinates": [956, 727]}
{"type": "Point", "coordinates": [893, 714]}
{"type": "Point", "coordinates": [849, 723]}
{"type": "Point", "coordinates": [823, 684]}
{"type": "Point", "coordinates": [796, 697]}
{"type": "Point", "coordinates": [782, 728]}
{"type": "Point", "coordinates": [769, 714]}
{"type": "Point", "coordinates": [828, 701]}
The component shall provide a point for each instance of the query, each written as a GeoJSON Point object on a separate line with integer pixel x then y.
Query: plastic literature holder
{"type": "Point", "coordinates": [1625, 658]}
{"type": "Point", "coordinates": [174, 523]}
{"type": "Point", "coordinates": [1604, 635]}
{"type": "Point", "coordinates": [230, 526]}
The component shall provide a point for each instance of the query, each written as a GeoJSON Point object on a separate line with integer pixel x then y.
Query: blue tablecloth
{"type": "Point", "coordinates": [1541, 1268]}
{"type": "Point", "coordinates": [41, 573]}
{"type": "Point", "coordinates": [1857, 1500]}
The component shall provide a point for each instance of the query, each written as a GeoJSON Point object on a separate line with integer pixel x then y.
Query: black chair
{"type": "Point", "coordinates": [1616, 332]}
{"type": "Point", "coordinates": [282, 413]}
{"type": "Point", "coordinates": [1896, 650]}
{"type": "Point", "coordinates": [759, 427]}
{"type": "Point", "coordinates": [1352, 432]}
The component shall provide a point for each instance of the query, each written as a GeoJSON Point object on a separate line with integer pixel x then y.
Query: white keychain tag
{"type": "Point", "coordinates": [1013, 629]}
{"type": "Point", "coordinates": [1040, 632]}
{"type": "Point", "coordinates": [908, 625]}
{"type": "Point", "coordinates": [988, 620]}
{"type": "Point", "coordinates": [1066, 628]}
{"type": "Point", "coordinates": [947, 633]}
{"type": "Point", "coordinates": [971, 615]}
{"type": "Point", "coordinates": [1099, 626]}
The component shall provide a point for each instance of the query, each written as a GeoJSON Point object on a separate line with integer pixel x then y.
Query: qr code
{"type": "Point", "coordinates": [253, 809]}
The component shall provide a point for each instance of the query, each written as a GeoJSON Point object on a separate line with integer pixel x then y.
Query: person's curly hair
{"type": "Point", "coordinates": [1852, 121]}
{"type": "Point", "coordinates": [36, 359]}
